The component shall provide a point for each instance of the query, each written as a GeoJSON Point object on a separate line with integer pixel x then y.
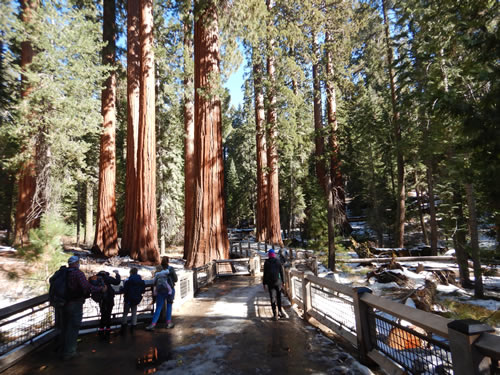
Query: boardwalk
{"type": "Point", "coordinates": [226, 329]}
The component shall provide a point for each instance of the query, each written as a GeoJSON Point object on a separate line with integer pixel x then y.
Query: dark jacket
{"type": "Point", "coordinates": [273, 273]}
{"type": "Point", "coordinates": [109, 295]}
{"type": "Point", "coordinates": [133, 289]}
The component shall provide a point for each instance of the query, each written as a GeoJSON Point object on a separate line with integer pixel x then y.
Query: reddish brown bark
{"type": "Point", "coordinates": [210, 239]}
{"type": "Point", "coordinates": [401, 198]}
{"type": "Point", "coordinates": [27, 175]}
{"type": "Point", "coordinates": [273, 204]}
{"type": "Point", "coordinates": [335, 162]}
{"type": "Point", "coordinates": [260, 134]}
{"type": "Point", "coordinates": [106, 237]}
{"type": "Point", "coordinates": [319, 140]}
{"type": "Point", "coordinates": [145, 238]}
{"type": "Point", "coordinates": [133, 89]}
{"type": "Point", "coordinates": [189, 154]}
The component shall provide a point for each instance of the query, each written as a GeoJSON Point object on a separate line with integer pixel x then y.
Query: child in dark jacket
{"type": "Point", "coordinates": [132, 295]}
{"type": "Point", "coordinates": [108, 301]}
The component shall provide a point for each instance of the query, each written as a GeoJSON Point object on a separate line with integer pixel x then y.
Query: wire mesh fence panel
{"type": "Point", "coordinates": [417, 351]}
{"type": "Point", "coordinates": [297, 288]}
{"type": "Point", "coordinates": [28, 324]}
{"type": "Point", "coordinates": [334, 306]}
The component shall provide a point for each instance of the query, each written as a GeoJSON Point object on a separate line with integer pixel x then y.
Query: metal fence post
{"type": "Point", "coordinates": [467, 360]}
{"type": "Point", "coordinates": [306, 296]}
{"type": "Point", "coordinates": [364, 327]}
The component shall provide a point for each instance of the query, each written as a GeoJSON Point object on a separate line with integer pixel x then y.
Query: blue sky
{"type": "Point", "coordinates": [234, 84]}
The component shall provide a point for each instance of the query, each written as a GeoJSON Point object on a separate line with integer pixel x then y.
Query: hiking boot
{"type": "Point", "coordinates": [170, 325]}
{"type": "Point", "coordinates": [151, 327]}
{"type": "Point", "coordinates": [275, 318]}
{"type": "Point", "coordinates": [132, 328]}
{"type": "Point", "coordinates": [282, 315]}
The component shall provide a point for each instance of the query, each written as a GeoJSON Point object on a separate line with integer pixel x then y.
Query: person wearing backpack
{"type": "Point", "coordinates": [273, 279]}
{"type": "Point", "coordinates": [106, 300]}
{"type": "Point", "coordinates": [133, 288]}
{"type": "Point", "coordinates": [76, 289]}
{"type": "Point", "coordinates": [164, 286]}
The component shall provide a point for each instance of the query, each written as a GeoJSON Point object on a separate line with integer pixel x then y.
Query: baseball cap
{"type": "Point", "coordinates": [73, 259]}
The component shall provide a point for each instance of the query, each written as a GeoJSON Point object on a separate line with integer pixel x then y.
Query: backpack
{"type": "Point", "coordinates": [162, 285]}
{"type": "Point", "coordinates": [97, 280]}
{"type": "Point", "coordinates": [58, 290]}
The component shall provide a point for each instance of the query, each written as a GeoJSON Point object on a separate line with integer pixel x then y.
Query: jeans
{"type": "Point", "coordinates": [73, 313]}
{"type": "Point", "coordinates": [160, 300]}
{"type": "Point", "coordinates": [126, 308]}
{"type": "Point", "coordinates": [106, 309]}
{"type": "Point", "coordinates": [275, 295]}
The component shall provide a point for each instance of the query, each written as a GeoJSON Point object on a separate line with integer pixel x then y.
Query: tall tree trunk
{"type": "Point", "coordinates": [260, 134]}
{"type": "Point", "coordinates": [145, 243]}
{"type": "Point", "coordinates": [106, 237]}
{"type": "Point", "coordinates": [432, 209]}
{"type": "Point", "coordinates": [210, 239]}
{"type": "Point", "coordinates": [420, 210]}
{"type": "Point", "coordinates": [460, 239]}
{"type": "Point", "coordinates": [474, 240]}
{"type": "Point", "coordinates": [189, 152]}
{"type": "Point", "coordinates": [401, 199]}
{"type": "Point", "coordinates": [133, 94]}
{"type": "Point", "coordinates": [27, 176]}
{"type": "Point", "coordinates": [273, 204]}
{"type": "Point", "coordinates": [89, 210]}
{"type": "Point", "coordinates": [319, 139]}
{"type": "Point", "coordinates": [335, 164]}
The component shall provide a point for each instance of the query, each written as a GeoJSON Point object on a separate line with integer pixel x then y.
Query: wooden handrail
{"type": "Point", "coordinates": [330, 284]}
{"type": "Point", "coordinates": [430, 322]}
{"type": "Point", "coordinates": [21, 306]}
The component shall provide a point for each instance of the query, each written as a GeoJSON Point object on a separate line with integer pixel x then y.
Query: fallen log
{"type": "Point", "coordinates": [438, 258]}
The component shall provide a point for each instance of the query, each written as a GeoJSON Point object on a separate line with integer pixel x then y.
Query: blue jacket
{"type": "Point", "coordinates": [133, 289]}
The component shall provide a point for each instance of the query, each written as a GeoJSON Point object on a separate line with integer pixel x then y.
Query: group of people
{"type": "Point", "coordinates": [78, 288]}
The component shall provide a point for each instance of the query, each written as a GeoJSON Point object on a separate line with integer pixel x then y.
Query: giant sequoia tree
{"type": "Point", "coordinates": [27, 176]}
{"type": "Point", "coordinates": [133, 90]}
{"type": "Point", "coordinates": [145, 237]}
{"type": "Point", "coordinates": [106, 237]}
{"type": "Point", "coordinates": [209, 239]}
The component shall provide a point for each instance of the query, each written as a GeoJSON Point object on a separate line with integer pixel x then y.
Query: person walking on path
{"type": "Point", "coordinates": [107, 302]}
{"type": "Point", "coordinates": [78, 289]}
{"type": "Point", "coordinates": [273, 279]}
{"type": "Point", "coordinates": [133, 289]}
{"type": "Point", "coordinates": [164, 286]}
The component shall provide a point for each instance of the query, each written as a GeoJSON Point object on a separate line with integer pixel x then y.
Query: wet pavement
{"type": "Point", "coordinates": [226, 329]}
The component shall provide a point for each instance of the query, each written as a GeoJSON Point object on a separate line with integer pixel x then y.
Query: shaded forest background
{"type": "Point", "coordinates": [386, 109]}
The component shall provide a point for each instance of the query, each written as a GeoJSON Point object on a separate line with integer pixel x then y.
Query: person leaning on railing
{"type": "Point", "coordinates": [78, 289]}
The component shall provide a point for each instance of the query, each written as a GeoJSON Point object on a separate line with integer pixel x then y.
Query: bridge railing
{"type": "Point", "coordinates": [399, 338]}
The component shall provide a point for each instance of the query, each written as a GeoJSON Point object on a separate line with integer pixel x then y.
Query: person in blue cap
{"type": "Point", "coordinates": [273, 279]}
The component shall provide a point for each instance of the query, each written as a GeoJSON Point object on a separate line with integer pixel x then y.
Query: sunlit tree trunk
{"type": "Point", "coordinates": [27, 176]}
{"type": "Point", "coordinates": [189, 152]}
{"type": "Point", "coordinates": [260, 134]}
{"type": "Point", "coordinates": [319, 139]}
{"type": "Point", "coordinates": [133, 90]}
{"type": "Point", "coordinates": [89, 211]}
{"type": "Point", "coordinates": [401, 194]}
{"type": "Point", "coordinates": [335, 163]}
{"type": "Point", "coordinates": [210, 240]}
{"type": "Point", "coordinates": [106, 237]}
{"type": "Point", "coordinates": [474, 240]}
{"type": "Point", "coordinates": [273, 204]}
{"type": "Point", "coordinates": [145, 239]}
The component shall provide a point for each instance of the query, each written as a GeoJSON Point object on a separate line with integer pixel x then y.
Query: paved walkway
{"type": "Point", "coordinates": [226, 329]}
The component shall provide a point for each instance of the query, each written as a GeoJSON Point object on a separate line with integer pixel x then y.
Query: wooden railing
{"type": "Point", "coordinates": [401, 339]}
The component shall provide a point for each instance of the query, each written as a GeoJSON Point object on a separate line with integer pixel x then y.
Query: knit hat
{"type": "Point", "coordinates": [73, 259]}
{"type": "Point", "coordinates": [271, 253]}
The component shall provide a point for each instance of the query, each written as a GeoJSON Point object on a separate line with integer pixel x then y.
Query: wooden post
{"type": "Point", "coordinates": [241, 250]}
{"type": "Point", "coordinates": [258, 245]}
{"type": "Point", "coordinates": [265, 247]}
{"type": "Point", "coordinates": [306, 296]}
{"type": "Point", "coordinates": [195, 281]}
{"type": "Point", "coordinates": [467, 360]}
{"type": "Point", "coordinates": [364, 328]}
